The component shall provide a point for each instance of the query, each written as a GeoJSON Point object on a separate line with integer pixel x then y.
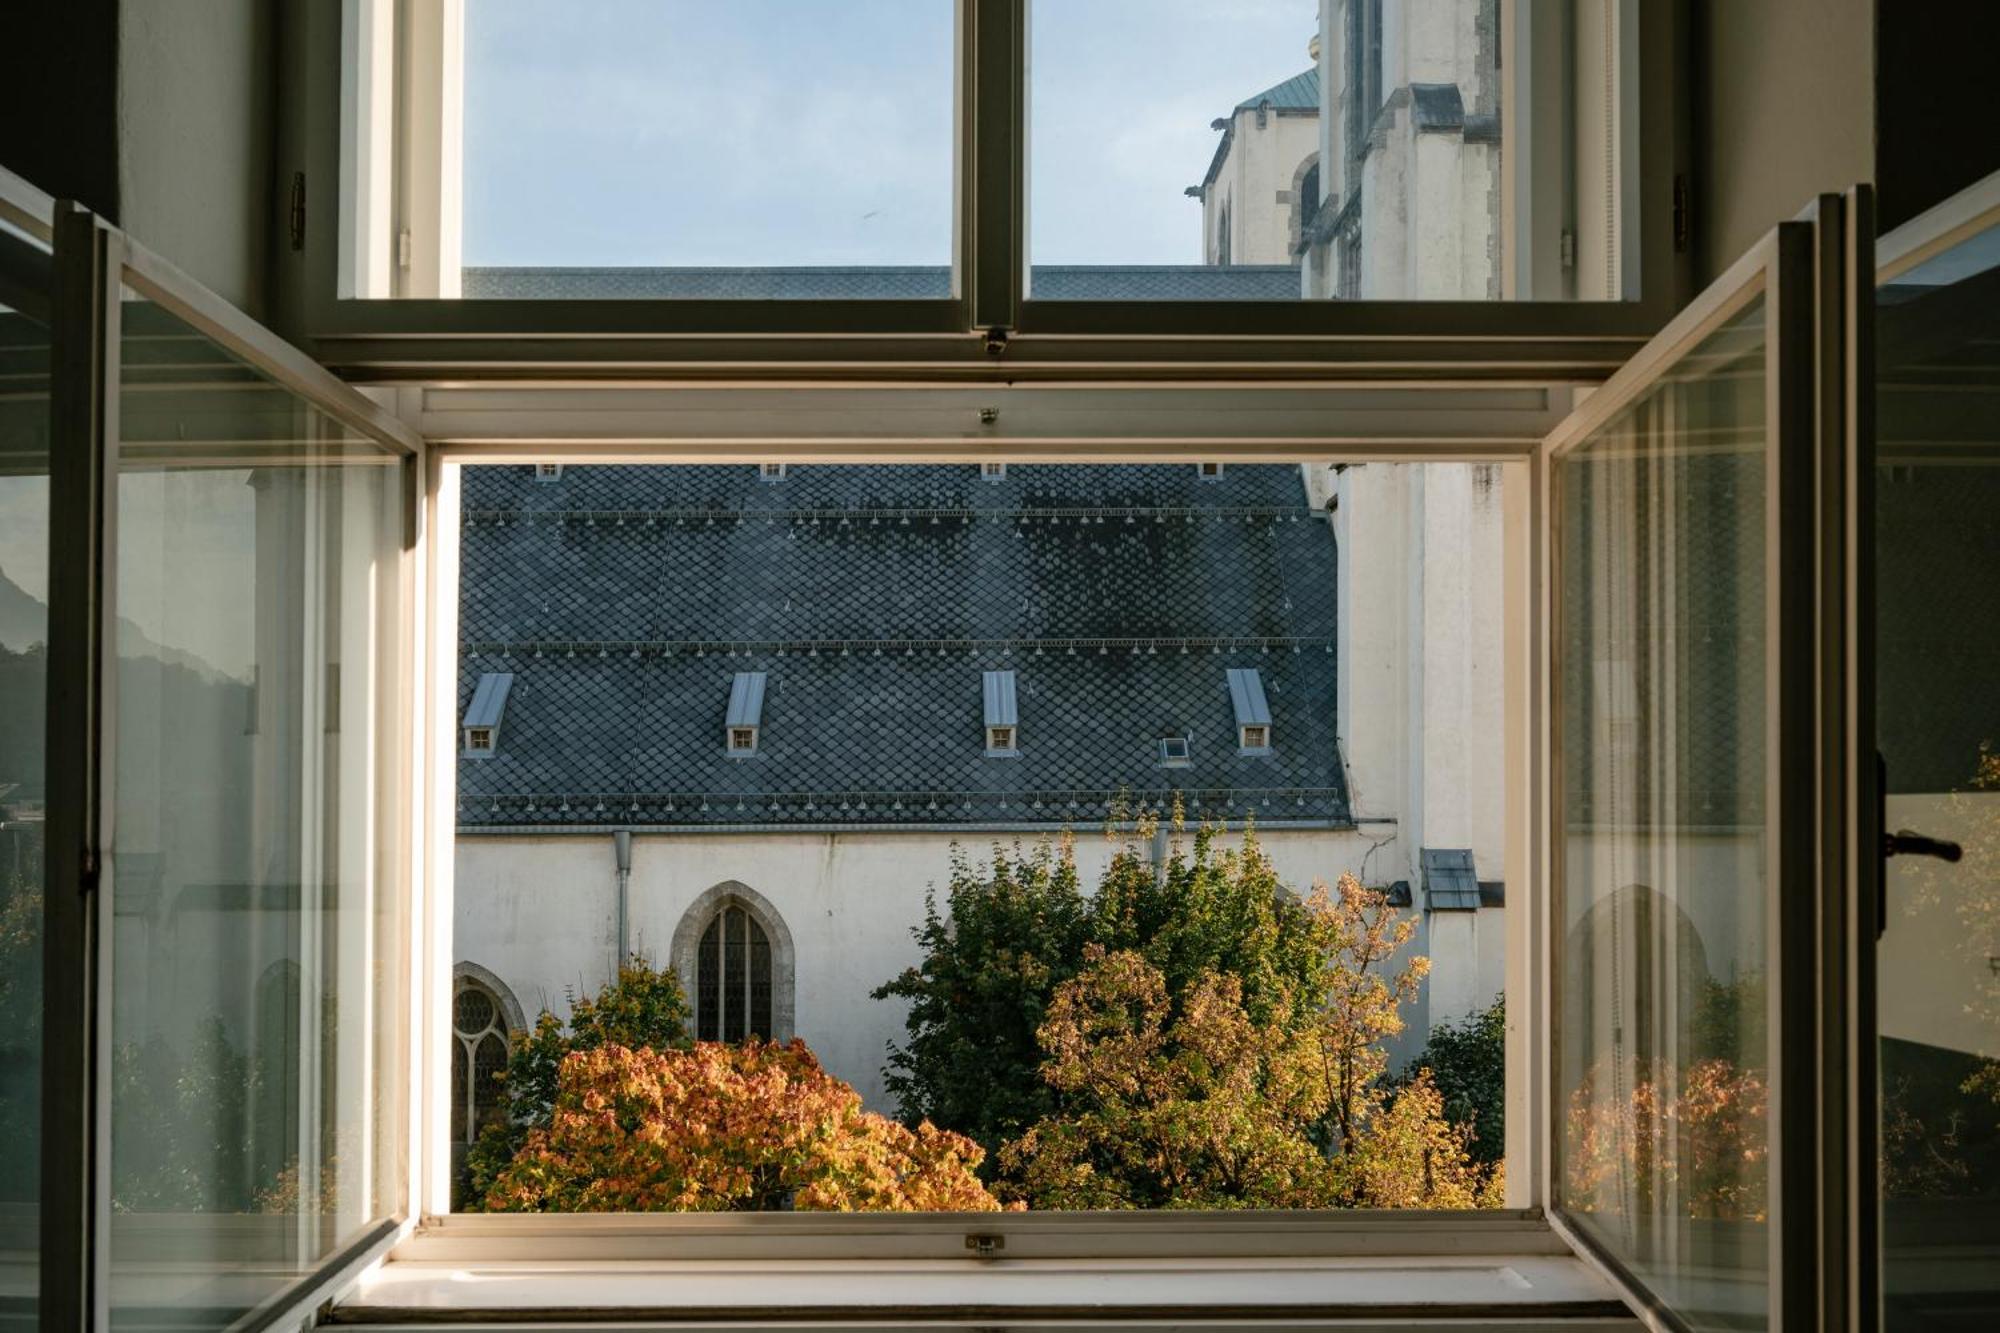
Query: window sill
{"type": "Point", "coordinates": [741, 1269]}
{"type": "Point", "coordinates": [742, 1292]}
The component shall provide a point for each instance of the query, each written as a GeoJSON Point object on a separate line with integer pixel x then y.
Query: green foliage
{"type": "Point", "coordinates": [1192, 1035]}
{"type": "Point", "coordinates": [180, 1117]}
{"type": "Point", "coordinates": [1468, 1065]}
{"type": "Point", "coordinates": [20, 1038]}
{"type": "Point", "coordinates": [1011, 930]}
{"type": "Point", "coordinates": [644, 1009]}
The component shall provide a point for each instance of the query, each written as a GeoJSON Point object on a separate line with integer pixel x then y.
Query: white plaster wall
{"type": "Point", "coordinates": [539, 912]}
{"type": "Point", "coordinates": [1255, 184]}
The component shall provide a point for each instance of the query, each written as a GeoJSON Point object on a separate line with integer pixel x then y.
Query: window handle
{"type": "Point", "coordinates": [1903, 842]}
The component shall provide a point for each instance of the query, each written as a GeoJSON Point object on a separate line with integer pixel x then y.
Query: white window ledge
{"type": "Point", "coordinates": [1541, 1290]}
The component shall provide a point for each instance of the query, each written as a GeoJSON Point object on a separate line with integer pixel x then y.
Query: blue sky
{"type": "Point", "coordinates": [636, 132]}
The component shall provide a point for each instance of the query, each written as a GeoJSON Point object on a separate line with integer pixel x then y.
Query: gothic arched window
{"type": "Point", "coordinates": [733, 977]}
{"type": "Point", "coordinates": [478, 1055]}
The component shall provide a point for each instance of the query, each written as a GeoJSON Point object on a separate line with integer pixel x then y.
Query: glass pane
{"type": "Point", "coordinates": [24, 591]}
{"type": "Point", "coordinates": [1937, 517]}
{"type": "Point", "coordinates": [1663, 664]}
{"type": "Point", "coordinates": [256, 945]}
{"type": "Point", "coordinates": [1280, 150]}
{"type": "Point", "coordinates": [876, 886]}
{"type": "Point", "coordinates": [683, 149]}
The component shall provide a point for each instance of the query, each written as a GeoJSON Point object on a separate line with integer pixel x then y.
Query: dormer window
{"type": "Point", "coordinates": [746, 714]}
{"type": "Point", "coordinates": [771, 471]}
{"type": "Point", "coordinates": [992, 471]}
{"type": "Point", "coordinates": [1003, 717]}
{"type": "Point", "coordinates": [481, 725]}
{"type": "Point", "coordinates": [548, 471]}
{"type": "Point", "coordinates": [1208, 471]}
{"type": "Point", "coordinates": [1175, 751]}
{"type": "Point", "coordinates": [1253, 711]}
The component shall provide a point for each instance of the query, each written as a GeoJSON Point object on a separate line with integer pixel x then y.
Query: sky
{"type": "Point", "coordinates": [781, 132]}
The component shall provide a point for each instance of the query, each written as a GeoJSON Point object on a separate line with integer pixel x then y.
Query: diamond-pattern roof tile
{"type": "Point", "coordinates": [625, 599]}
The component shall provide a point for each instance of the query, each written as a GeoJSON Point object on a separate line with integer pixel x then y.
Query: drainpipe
{"type": "Point", "coordinates": [621, 843]}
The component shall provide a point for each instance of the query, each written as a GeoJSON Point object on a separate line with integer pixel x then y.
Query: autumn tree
{"type": "Point", "coordinates": [644, 1009]}
{"type": "Point", "coordinates": [722, 1127]}
{"type": "Point", "coordinates": [1162, 1106]}
{"type": "Point", "coordinates": [1009, 931]}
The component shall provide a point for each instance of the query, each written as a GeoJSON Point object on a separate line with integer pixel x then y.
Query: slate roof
{"type": "Point", "coordinates": [1047, 282]}
{"type": "Point", "coordinates": [625, 600]}
{"type": "Point", "coordinates": [1296, 96]}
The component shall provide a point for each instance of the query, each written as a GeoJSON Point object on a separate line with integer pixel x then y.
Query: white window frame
{"type": "Point", "coordinates": [746, 735]}
{"type": "Point", "coordinates": [992, 470]}
{"type": "Point", "coordinates": [380, 132]}
{"type": "Point", "coordinates": [479, 740]}
{"type": "Point", "coordinates": [1002, 741]}
{"type": "Point", "coordinates": [1517, 1229]}
{"type": "Point", "coordinates": [548, 471]}
{"type": "Point", "coordinates": [771, 471]}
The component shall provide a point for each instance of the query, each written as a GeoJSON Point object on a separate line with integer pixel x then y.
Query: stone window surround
{"type": "Point", "coordinates": [784, 957]}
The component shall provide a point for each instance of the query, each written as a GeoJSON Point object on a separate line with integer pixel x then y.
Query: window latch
{"type": "Point", "coordinates": [985, 1246]}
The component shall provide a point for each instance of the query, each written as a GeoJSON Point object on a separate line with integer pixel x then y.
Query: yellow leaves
{"type": "Point", "coordinates": [728, 1127]}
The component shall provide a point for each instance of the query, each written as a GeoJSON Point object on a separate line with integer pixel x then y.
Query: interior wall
{"type": "Point", "coordinates": [1934, 102]}
{"type": "Point", "coordinates": [1783, 110]}
{"type": "Point", "coordinates": [195, 126]}
{"type": "Point", "coordinates": [58, 99]}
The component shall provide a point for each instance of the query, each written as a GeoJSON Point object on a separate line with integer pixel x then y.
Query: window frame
{"type": "Point", "coordinates": [1518, 1228]}
{"type": "Point", "coordinates": [992, 328]}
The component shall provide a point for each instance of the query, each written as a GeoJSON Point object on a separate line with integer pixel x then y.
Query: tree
{"type": "Point", "coordinates": [1200, 1109]}
{"type": "Point", "coordinates": [1414, 1156]}
{"type": "Point", "coordinates": [644, 1009]}
{"type": "Point", "coordinates": [1010, 931]}
{"type": "Point", "coordinates": [720, 1127]}
{"type": "Point", "coordinates": [1467, 1063]}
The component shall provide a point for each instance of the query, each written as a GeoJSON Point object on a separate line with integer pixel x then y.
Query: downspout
{"type": "Point", "coordinates": [621, 843]}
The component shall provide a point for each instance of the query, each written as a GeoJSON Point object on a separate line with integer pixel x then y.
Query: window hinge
{"type": "Point", "coordinates": [1683, 215]}
{"type": "Point", "coordinates": [403, 248]}
{"type": "Point", "coordinates": [996, 341]}
{"type": "Point", "coordinates": [1568, 248]}
{"type": "Point", "coordinates": [296, 212]}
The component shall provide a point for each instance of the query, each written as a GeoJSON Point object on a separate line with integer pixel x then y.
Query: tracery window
{"type": "Point", "coordinates": [477, 1058]}
{"type": "Point", "coordinates": [733, 977]}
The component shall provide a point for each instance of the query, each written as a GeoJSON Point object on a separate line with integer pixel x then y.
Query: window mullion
{"type": "Point", "coordinates": [993, 80]}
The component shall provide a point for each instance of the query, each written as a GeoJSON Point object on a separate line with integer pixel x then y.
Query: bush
{"type": "Point", "coordinates": [1467, 1063]}
{"type": "Point", "coordinates": [720, 1127]}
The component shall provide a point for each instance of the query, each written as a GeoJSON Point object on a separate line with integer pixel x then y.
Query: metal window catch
{"type": "Point", "coordinates": [996, 341]}
{"type": "Point", "coordinates": [984, 1246]}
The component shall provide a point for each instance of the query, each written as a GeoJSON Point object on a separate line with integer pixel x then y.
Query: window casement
{"type": "Point", "coordinates": [771, 471]}
{"type": "Point", "coordinates": [548, 471]}
{"type": "Point", "coordinates": [1210, 471]}
{"type": "Point", "coordinates": [992, 471]}
{"type": "Point", "coordinates": [479, 740]}
{"type": "Point", "coordinates": [1175, 752]}
{"type": "Point", "coordinates": [1000, 741]}
{"type": "Point", "coordinates": [385, 214]}
{"type": "Point", "coordinates": [742, 740]}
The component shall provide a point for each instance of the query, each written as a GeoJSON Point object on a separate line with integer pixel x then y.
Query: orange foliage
{"type": "Point", "coordinates": [726, 1127]}
{"type": "Point", "coordinates": [1687, 1142]}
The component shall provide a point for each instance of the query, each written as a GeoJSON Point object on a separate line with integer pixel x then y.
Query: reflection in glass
{"type": "Point", "coordinates": [1937, 514]}
{"type": "Point", "coordinates": [1318, 150]}
{"type": "Point", "coordinates": [256, 907]}
{"type": "Point", "coordinates": [24, 559]}
{"type": "Point", "coordinates": [1661, 679]}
